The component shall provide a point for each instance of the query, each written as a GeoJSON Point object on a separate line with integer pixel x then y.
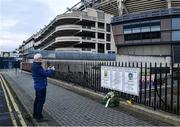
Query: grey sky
{"type": "Point", "coordinates": [19, 19]}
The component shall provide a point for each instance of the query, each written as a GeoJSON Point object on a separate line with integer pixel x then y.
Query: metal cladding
{"type": "Point", "coordinates": [120, 7]}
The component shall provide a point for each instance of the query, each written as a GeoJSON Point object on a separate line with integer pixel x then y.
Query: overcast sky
{"type": "Point", "coordinates": [19, 19]}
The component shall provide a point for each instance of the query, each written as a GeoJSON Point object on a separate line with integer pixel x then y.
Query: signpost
{"type": "Point", "coordinates": [121, 79]}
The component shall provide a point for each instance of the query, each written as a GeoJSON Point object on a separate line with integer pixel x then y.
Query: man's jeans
{"type": "Point", "coordinates": [38, 103]}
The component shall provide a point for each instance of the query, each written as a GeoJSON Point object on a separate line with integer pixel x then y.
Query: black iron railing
{"type": "Point", "coordinates": [159, 83]}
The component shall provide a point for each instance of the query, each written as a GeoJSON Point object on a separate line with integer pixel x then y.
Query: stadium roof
{"type": "Point", "coordinates": [119, 7]}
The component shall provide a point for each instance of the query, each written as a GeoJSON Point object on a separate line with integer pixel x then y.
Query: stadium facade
{"type": "Point", "coordinates": [151, 33]}
{"type": "Point", "coordinates": [121, 7]}
{"type": "Point", "coordinates": [145, 30]}
{"type": "Point", "coordinates": [142, 29]}
{"type": "Point", "coordinates": [82, 31]}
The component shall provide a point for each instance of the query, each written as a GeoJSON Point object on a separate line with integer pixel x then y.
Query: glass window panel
{"type": "Point", "coordinates": [101, 35]}
{"type": "Point", "coordinates": [136, 36]}
{"type": "Point", "coordinates": [128, 37]}
{"type": "Point", "coordinates": [155, 28]}
{"type": "Point", "coordinates": [100, 25]}
{"type": "Point", "coordinates": [127, 31]}
{"type": "Point", "coordinates": [157, 23]}
{"type": "Point", "coordinates": [108, 37]}
{"type": "Point", "coordinates": [108, 28]}
{"type": "Point", "coordinates": [146, 35]}
{"type": "Point", "coordinates": [155, 35]}
{"type": "Point", "coordinates": [175, 23]}
{"type": "Point", "coordinates": [146, 24]}
{"type": "Point", "coordinates": [145, 29]}
{"type": "Point", "coordinates": [108, 46]}
{"type": "Point", "coordinates": [176, 36]}
{"type": "Point", "coordinates": [127, 26]}
{"type": "Point", "coordinates": [136, 30]}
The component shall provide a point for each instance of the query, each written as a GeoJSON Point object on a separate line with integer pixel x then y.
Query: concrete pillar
{"type": "Point", "coordinates": [120, 7]}
{"type": "Point", "coordinates": [96, 47]}
{"type": "Point", "coordinates": [169, 3]}
{"type": "Point", "coordinates": [105, 37]}
{"type": "Point", "coordinates": [96, 36]}
{"type": "Point", "coordinates": [96, 25]}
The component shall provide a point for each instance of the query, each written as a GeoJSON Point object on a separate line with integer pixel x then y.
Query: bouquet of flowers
{"type": "Point", "coordinates": [130, 101]}
{"type": "Point", "coordinates": [111, 99]}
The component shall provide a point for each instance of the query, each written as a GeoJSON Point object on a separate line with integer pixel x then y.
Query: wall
{"type": "Point", "coordinates": [143, 59]}
{"type": "Point", "coordinates": [148, 50]}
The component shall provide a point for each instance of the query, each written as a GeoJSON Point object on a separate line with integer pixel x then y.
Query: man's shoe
{"type": "Point", "coordinates": [42, 120]}
{"type": "Point", "coordinates": [34, 116]}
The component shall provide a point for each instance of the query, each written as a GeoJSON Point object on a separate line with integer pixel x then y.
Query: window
{"type": "Point", "coordinates": [108, 46]}
{"type": "Point", "coordinates": [100, 25]}
{"type": "Point", "coordinates": [108, 37]}
{"type": "Point", "coordinates": [127, 31]}
{"type": "Point", "coordinates": [100, 35]}
{"type": "Point", "coordinates": [145, 29]}
{"type": "Point", "coordinates": [136, 30]}
{"type": "Point", "coordinates": [142, 30]}
{"type": "Point", "coordinates": [108, 28]}
{"type": "Point", "coordinates": [127, 26]}
{"type": "Point", "coordinates": [155, 35]}
{"type": "Point", "coordinates": [128, 37]}
{"type": "Point", "coordinates": [146, 35]}
{"type": "Point", "coordinates": [155, 28]}
{"type": "Point", "coordinates": [176, 36]}
{"type": "Point", "coordinates": [138, 27]}
{"type": "Point", "coordinates": [175, 23]}
{"type": "Point", "coordinates": [155, 23]}
{"type": "Point", "coordinates": [136, 36]}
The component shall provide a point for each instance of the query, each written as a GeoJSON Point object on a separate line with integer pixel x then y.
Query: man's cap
{"type": "Point", "coordinates": [37, 56]}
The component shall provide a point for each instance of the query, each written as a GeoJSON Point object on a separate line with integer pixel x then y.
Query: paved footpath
{"type": "Point", "coordinates": [67, 108]}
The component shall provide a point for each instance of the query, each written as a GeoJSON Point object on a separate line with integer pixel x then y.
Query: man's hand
{"type": "Point", "coordinates": [53, 68]}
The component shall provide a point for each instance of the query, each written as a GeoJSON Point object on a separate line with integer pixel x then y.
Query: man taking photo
{"type": "Point", "coordinates": [40, 83]}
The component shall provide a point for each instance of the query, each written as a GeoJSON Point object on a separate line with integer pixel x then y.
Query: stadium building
{"type": "Point", "coordinates": [143, 30]}
{"type": "Point", "coordinates": [88, 30]}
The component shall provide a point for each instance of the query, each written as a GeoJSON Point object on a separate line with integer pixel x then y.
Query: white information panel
{"type": "Point", "coordinates": [131, 81]}
{"type": "Point", "coordinates": [111, 78]}
{"type": "Point", "coordinates": [121, 79]}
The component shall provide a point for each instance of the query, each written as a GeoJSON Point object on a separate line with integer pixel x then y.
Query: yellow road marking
{"type": "Point", "coordinates": [22, 121]}
{"type": "Point", "coordinates": [8, 105]}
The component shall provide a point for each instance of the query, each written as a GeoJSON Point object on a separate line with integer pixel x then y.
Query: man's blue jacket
{"type": "Point", "coordinates": [40, 75]}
